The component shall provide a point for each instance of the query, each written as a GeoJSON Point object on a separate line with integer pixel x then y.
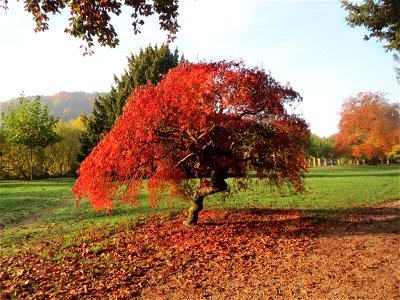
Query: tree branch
{"type": "Point", "coordinates": [187, 157]}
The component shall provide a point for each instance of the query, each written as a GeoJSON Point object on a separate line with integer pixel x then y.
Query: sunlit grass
{"type": "Point", "coordinates": [23, 199]}
{"type": "Point", "coordinates": [31, 212]}
{"type": "Point", "coordinates": [329, 188]}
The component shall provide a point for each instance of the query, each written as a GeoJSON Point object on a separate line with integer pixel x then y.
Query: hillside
{"type": "Point", "coordinates": [65, 105]}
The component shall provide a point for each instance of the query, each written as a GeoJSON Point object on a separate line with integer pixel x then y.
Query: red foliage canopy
{"type": "Point", "coordinates": [207, 118]}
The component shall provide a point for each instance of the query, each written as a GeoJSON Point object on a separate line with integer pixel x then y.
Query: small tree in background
{"type": "Point", "coordinates": [14, 161]}
{"type": "Point", "coordinates": [206, 120]}
{"type": "Point", "coordinates": [149, 65]}
{"type": "Point", "coordinates": [29, 125]}
{"type": "Point", "coordinates": [59, 159]}
{"type": "Point", "coordinates": [369, 126]}
{"type": "Point", "coordinates": [394, 153]}
{"type": "Point", "coordinates": [320, 148]}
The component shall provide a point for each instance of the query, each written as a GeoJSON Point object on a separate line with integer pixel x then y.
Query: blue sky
{"type": "Point", "coordinates": [306, 43]}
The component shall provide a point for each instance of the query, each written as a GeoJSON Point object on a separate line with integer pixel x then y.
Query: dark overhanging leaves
{"type": "Point", "coordinates": [381, 18]}
{"type": "Point", "coordinates": [91, 19]}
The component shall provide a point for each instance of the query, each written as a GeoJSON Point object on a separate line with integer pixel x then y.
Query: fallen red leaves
{"type": "Point", "coordinates": [258, 254]}
{"type": "Point", "coordinates": [160, 252]}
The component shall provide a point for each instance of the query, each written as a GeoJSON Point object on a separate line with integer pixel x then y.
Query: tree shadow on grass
{"type": "Point", "coordinates": [338, 175]}
{"type": "Point", "coordinates": [374, 220]}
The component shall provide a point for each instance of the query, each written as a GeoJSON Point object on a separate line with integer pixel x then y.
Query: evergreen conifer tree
{"type": "Point", "coordinates": [149, 65]}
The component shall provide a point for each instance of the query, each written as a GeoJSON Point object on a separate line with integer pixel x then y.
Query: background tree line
{"type": "Point", "coordinates": [369, 133]}
{"type": "Point", "coordinates": [369, 128]}
{"type": "Point", "coordinates": [44, 156]}
{"type": "Point", "coordinates": [35, 144]}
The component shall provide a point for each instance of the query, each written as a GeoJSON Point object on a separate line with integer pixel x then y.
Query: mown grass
{"type": "Point", "coordinates": [58, 217]}
{"type": "Point", "coordinates": [22, 199]}
{"type": "Point", "coordinates": [329, 189]}
{"type": "Point", "coordinates": [31, 212]}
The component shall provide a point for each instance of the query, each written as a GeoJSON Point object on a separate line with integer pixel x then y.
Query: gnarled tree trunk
{"type": "Point", "coordinates": [218, 184]}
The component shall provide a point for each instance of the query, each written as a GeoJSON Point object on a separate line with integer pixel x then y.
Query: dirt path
{"type": "Point", "coordinates": [37, 215]}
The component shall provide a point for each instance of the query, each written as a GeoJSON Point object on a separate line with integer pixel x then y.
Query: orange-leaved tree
{"type": "Point", "coordinates": [206, 121]}
{"type": "Point", "coordinates": [369, 127]}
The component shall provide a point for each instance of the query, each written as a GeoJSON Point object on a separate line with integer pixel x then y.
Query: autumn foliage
{"type": "Point", "coordinates": [92, 18]}
{"type": "Point", "coordinates": [369, 127]}
{"type": "Point", "coordinates": [204, 120]}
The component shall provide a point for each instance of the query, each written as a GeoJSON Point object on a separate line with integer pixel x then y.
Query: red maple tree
{"type": "Point", "coordinates": [369, 127]}
{"type": "Point", "coordinates": [205, 121]}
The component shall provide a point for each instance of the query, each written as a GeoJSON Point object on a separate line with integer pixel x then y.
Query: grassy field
{"type": "Point", "coordinates": [20, 200]}
{"type": "Point", "coordinates": [32, 211]}
{"type": "Point", "coordinates": [330, 189]}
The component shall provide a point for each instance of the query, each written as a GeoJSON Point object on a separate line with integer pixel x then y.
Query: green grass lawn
{"type": "Point", "coordinates": [22, 199]}
{"type": "Point", "coordinates": [32, 211]}
{"type": "Point", "coordinates": [329, 189]}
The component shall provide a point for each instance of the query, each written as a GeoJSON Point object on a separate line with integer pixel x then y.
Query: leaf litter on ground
{"type": "Point", "coordinates": [253, 254]}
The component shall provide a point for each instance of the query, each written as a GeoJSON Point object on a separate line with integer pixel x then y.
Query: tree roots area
{"type": "Point", "coordinates": [247, 254]}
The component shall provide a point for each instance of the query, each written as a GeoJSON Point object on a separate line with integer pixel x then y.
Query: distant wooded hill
{"type": "Point", "coordinates": [65, 105]}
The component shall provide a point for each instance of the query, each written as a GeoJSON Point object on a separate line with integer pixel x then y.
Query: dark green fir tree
{"type": "Point", "coordinates": [149, 65]}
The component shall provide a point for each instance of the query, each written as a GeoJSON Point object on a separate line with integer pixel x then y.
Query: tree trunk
{"type": "Point", "coordinates": [198, 198]}
{"type": "Point", "coordinates": [218, 184]}
{"type": "Point", "coordinates": [31, 163]}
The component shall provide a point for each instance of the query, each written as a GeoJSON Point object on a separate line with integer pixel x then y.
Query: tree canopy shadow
{"type": "Point", "coordinates": [338, 175]}
{"type": "Point", "coordinates": [292, 223]}
{"type": "Point", "coordinates": [383, 219]}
